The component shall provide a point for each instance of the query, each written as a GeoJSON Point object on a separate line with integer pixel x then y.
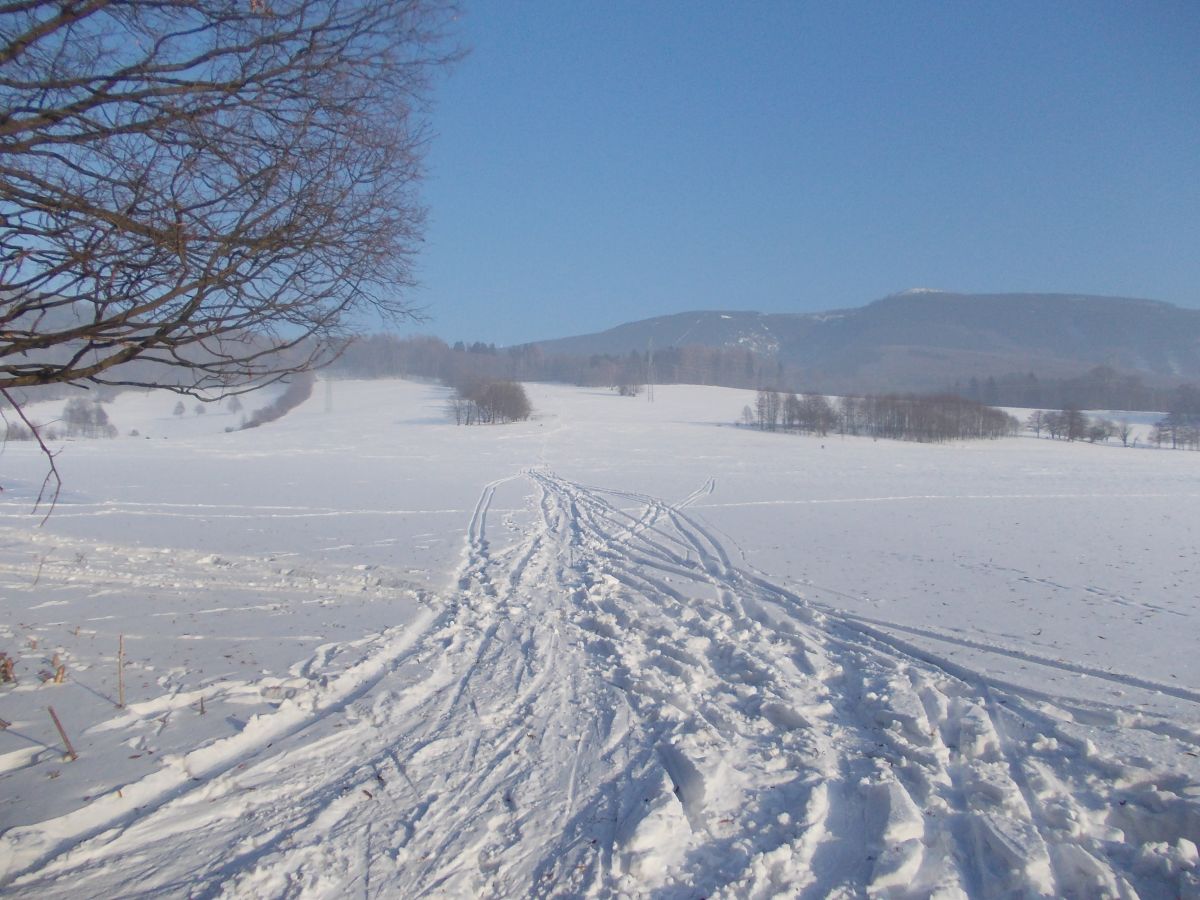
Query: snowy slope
{"type": "Point", "coordinates": [618, 649]}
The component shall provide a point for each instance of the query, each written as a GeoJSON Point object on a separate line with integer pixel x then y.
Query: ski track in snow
{"type": "Point", "coordinates": [611, 705]}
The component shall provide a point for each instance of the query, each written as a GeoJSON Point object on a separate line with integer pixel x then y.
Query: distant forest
{"type": "Point", "coordinates": [1099, 388]}
{"type": "Point", "coordinates": [427, 357]}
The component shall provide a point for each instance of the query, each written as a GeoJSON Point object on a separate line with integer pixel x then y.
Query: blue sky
{"type": "Point", "coordinates": [598, 162]}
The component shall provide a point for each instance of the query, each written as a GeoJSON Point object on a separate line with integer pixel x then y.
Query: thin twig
{"type": "Point", "coordinates": [47, 452]}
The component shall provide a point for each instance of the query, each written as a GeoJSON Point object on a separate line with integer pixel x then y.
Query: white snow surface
{"type": "Point", "coordinates": [620, 650]}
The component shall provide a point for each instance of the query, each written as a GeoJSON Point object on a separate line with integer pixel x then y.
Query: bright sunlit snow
{"type": "Point", "coordinates": [624, 648]}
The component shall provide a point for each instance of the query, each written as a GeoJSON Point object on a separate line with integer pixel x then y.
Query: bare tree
{"type": "Point", "coordinates": [791, 411]}
{"type": "Point", "coordinates": [462, 409]}
{"type": "Point", "coordinates": [1055, 423]}
{"type": "Point", "coordinates": [204, 186]}
{"type": "Point", "coordinates": [202, 183]}
{"type": "Point", "coordinates": [768, 404]}
{"type": "Point", "coordinates": [1124, 431]}
{"type": "Point", "coordinates": [1036, 422]}
{"type": "Point", "coordinates": [1075, 423]}
{"type": "Point", "coordinates": [816, 413]}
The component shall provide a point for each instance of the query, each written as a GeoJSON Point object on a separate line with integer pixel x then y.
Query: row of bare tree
{"type": "Point", "coordinates": [1181, 431]}
{"type": "Point", "coordinates": [1072, 424]}
{"type": "Point", "coordinates": [909, 417]}
{"type": "Point", "coordinates": [1178, 430]}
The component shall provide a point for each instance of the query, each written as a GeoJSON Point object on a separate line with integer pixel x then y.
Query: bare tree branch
{"type": "Point", "coordinates": [52, 475]}
{"type": "Point", "coordinates": [209, 184]}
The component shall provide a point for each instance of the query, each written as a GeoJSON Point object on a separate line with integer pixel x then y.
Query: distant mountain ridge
{"type": "Point", "coordinates": [925, 339]}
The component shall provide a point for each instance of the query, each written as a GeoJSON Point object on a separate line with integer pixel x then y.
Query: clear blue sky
{"type": "Point", "coordinates": [598, 162]}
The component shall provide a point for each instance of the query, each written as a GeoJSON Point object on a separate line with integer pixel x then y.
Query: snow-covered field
{"type": "Point", "coordinates": [621, 649]}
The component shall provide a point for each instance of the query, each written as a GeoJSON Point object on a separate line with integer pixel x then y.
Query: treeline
{"type": "Point", "coordinates": [299, 389]}
{"type": "Point", "coordinates": [1179, 429]}
{"type": "Point", "coordinates": [380, 356]}
{"type": "Point", "coordinates": [1099, 388]}
{"type": "Point", "coordinates": [1073, 425]}
{"type": "Point", "coordinates": [81, 418]}
{"type": "Point", "coordinates": [908, 417]}
{"type": "Point", "coordinates": [383, 355]}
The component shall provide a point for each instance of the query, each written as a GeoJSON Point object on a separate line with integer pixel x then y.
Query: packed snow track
{"type": "Point", "coordinates": [608, 704]}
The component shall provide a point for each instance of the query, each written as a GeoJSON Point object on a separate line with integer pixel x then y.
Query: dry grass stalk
{"type": "Point", "coordinates": [63, 734]}
{"type": "Point", "coordinates": [121, 672]}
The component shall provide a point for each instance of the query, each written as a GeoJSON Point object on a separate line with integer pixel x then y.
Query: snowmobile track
{"type": "Point", "coordinates": [608, 703]}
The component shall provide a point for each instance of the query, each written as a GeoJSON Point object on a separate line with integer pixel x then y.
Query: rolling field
{"type": "Point", "coordinates": [621, 649]}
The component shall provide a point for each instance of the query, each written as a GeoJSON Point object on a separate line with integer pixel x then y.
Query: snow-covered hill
{"type": "Point", "coordinates": [926, 339]}
{"type": "Point", "coordinates": [622, 648]}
